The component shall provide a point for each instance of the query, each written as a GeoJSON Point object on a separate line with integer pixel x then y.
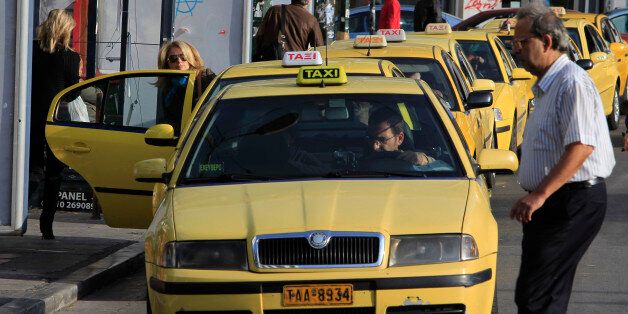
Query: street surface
{"type": "Point", "coordinates": [601, 284]}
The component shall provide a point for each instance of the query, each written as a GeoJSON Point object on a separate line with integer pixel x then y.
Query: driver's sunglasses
{"type": "Point", "coordinates": [378, 139]}
{"type": "Point", "coordinates": [176, 58]}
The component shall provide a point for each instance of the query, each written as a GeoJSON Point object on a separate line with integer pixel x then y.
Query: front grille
{"type": "Point", "coordinates": [343, 250]}
{"type": "Point", "coordinates": [351, 310]}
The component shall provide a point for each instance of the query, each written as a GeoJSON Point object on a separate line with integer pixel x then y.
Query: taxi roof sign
{"type": "Point", "coordinates": [370, 41]}
{"type": "Point", "coordinates": [438, 28]}
{"type": "Point", "coordinates": [321, 75]}
{"type": "Point", "coordinates": [393, 35]}
{"type": "Point", "coordinates": [558, 10]}
{"type": "Point", "coordinates": [301, 58]}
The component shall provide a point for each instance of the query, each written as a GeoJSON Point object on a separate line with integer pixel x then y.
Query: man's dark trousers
{"type": "Point", "coordinates": [553, 243]}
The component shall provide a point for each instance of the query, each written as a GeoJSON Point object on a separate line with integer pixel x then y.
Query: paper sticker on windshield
{"type": "Point", "coordinates": [213, 168]}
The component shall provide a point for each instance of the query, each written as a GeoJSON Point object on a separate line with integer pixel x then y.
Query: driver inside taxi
{"type": "Point", "coordinates": [385, 134]}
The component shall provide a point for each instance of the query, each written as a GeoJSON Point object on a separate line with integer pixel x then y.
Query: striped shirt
{"type": "Point", "coordinates": [568, 109]}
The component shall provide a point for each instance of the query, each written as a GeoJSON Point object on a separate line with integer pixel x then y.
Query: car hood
{"type": "Point", "coordinates": [241, 211]}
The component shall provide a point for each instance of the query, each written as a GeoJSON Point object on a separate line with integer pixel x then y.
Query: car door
{"type": "Point", "coordinates": [472, 117]}
{"type": "Point", "coordinates": [104, 147]}
{"type": "Point", "coordinates": [619, 49]}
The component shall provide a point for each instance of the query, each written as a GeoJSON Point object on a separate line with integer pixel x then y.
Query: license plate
{"type": "Point", "coordinates": [340, 294]}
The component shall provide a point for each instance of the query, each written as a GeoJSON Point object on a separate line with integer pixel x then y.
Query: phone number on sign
{"type": "Point", "coordinates": [74, 205]}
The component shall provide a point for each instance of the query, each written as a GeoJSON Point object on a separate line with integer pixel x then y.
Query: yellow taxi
{"type": "Point", "coordinates": [126, 104]}
{"type": "Point", "coordinates": [439, 69]}
{"type": "Point", "coordinates": [491, 60]}
{"type": "Point", "coordinates": [613, 38]}
{"type": "Point", "coordinates": [283, 198]}
{"type": "Point", "coordinates": [602, 68]}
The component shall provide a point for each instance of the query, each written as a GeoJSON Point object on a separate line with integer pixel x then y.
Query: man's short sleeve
{"type": "Point", "coordinates": [577, 110]}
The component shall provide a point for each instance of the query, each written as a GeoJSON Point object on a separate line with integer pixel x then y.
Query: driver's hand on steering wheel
{"type": "Point", "coordinates": [416, 158]}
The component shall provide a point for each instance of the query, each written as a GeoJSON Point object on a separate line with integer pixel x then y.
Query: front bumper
{"type": "Point", "coordinates": [375, 291]}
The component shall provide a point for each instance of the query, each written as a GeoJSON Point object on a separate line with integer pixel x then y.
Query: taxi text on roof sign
{"type": "Point", "coordinates": [393, 35]}
{"type": "Point", "coordinates": [438, 28]}
{"type": "Point", "coordinates": [329, 75]}
{"type": "Point", "coordinates": [301, 58]}
{"type": "Point", "coordinates": [370, 41]}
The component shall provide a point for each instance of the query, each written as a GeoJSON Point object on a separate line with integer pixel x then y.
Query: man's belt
{"type": "Point", "coordinates": [580, 184]}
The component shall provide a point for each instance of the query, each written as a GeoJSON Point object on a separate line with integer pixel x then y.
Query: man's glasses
{"type": "Point", "coordinates": [519, 42]}
{"type": "Point", "coordinates": [378, 139]}
{"type": "Point", "coordinates": [176, 58]}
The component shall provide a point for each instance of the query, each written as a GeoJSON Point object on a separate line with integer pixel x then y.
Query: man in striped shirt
{"type": "Point", "coordinates": [566, 155]}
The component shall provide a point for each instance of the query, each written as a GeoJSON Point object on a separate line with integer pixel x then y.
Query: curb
{"type": "Point", "coordinates": [65, 291]}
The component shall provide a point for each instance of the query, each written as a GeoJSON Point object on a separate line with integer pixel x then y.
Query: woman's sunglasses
{"type": "Point", "coordinates": [176, 58]}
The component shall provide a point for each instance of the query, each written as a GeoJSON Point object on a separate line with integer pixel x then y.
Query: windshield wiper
{"type": "Point", "coordinates": [371, 174]}
{"type": "Point", "coordinates": [233, 177]}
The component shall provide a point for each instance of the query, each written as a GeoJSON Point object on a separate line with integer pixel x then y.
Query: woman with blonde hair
{"type": "Point", "coordinates": [180, 55]}
{"type": "Point", "coordinates": [55, 67]}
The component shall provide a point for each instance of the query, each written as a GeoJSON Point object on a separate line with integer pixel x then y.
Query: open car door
{"type": "Point", "coordinates": [97, 128]}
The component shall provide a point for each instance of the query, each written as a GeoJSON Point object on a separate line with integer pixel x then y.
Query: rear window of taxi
{"type": "Point", "coordinates": [327, 139]}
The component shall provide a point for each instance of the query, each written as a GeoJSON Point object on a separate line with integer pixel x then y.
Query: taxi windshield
{"type": "Point", "coordinates": [321, 136]}
{"type": "Point", "coordinates": [482, 59]}
{"type": "Point", "coordinates": [431, 72]}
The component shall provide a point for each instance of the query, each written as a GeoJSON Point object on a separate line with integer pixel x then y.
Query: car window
{"type": "Point", "coordinates": [464, 64]}
{"type": "Point", "coordinates": [431, 72]}
{"type": "Point", "coordinates": [612, 30]}
{"type": "Point", "coordinates": [573, 51]}
{"type": "Point", "coordinates": [575, 36]}
{"type": "Point", "coordinates": [482, 59]}
{"type": "Point", "coordinates": [621, 23]}
{"type": "Point", "coordinates": [507, 41]}
{"type": "Point", "coordinates": [607, 32]}
{"type": "Point", "coordinates": [137, 102]}
{"type": "Point", "coordinates": [325, 136]}
{"type": "Point", "coordinates": [594, 41]}
{"type": "Point", "coordinates": [456, 74]}
{"type": "Point", "coordinates": [506, 58]}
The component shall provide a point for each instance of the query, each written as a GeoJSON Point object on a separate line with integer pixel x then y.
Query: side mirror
{"type": "Point", "coordinates": [520, 74]}
{"type": "Point", "coordinates": [498, 160]}
{"type": "Point", "coordinates": [586, 64]}
{"type": "Point", "coordinates": [479, 99]}
{"type": "Point", "coordinates": [161, 135]}
{"type": "Point", "coordinates": [150, 170]}
{"type": "Point", "coordinates": [597, 57]}
{"type": "Point", "coordinates": [483, 85]}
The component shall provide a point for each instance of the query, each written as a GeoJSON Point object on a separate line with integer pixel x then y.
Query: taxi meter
{"type": "Point", "coordinates": [328, 75]}
{"type": "Point", "coordinates": [301, 58]}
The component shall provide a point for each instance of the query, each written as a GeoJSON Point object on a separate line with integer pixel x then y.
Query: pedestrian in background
{"type": "Point", "coordinates": [566, 155]}
{"type": "Point", "coordinates": [390, 15]}
{"type": "Point", "coordinates": [55, 67]}
{"type": "Point", "coordinates": [426, 12]}
{"type": "Point", "coordinates": [180, 55]}
{"type": "Point", "coordinates": [286, 28]}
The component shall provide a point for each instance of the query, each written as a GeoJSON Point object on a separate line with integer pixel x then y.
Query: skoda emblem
{"type": "Point", "coordinates": [318, 239]}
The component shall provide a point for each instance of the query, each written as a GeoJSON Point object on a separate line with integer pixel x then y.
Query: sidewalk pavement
{"type": "Point", "coordinates": [43, 276]}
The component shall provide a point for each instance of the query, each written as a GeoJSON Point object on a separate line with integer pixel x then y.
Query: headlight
{"type": "Point", "coordinates": [498, 114]}
{"type": "Point", "coordinates": [429, 249]}
{"type": "Point", "coordinates": [225, 255]}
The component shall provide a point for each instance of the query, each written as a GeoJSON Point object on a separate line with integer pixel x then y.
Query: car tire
{"type": "Point", "coordinates": [490, 177]}
{"type": "Point", "coordinates": [613, 118]}
{"type": "Point", "coordinates": [149, 310]}
{"type": "Point", "coordinates": [513, 135]}
{"type": "Point", "coordinates": [494, 308]}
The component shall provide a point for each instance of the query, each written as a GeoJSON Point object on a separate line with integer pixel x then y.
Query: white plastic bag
{"type": "Point", "coordinates": [78, 110]}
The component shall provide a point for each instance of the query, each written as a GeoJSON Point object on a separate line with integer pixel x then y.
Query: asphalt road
{"type": "Point", "coordinates": [601, 284]}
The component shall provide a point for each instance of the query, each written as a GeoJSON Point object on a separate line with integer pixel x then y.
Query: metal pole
{"type": "Point", "coordinates": [92, 21]}
{"type": "Point", "coordinates": [167, 21]}
{"type": "Point", "coordinates": [124, 34]}
{"type": "Point", "coordinates": [372, 18]}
